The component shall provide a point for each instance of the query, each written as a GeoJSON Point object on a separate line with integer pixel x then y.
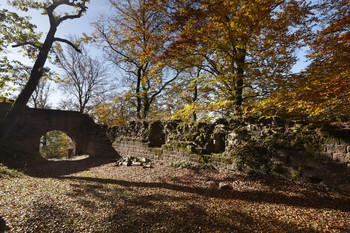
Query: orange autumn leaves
{"type": "Point", "coordinates": [323, 90]}
{"type": "Point", "coordinates": [244, 52]}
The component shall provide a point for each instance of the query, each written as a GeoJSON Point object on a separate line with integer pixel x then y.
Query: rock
{"type": "Point", "coordinates": [3, 227]}
{"type": "Point", "coordinates": [224, 186]}
{"type": "Point", "coordinates": [147, 166]}
{"type": "Point", "coordinates": [144, 160]}
{"type": "Point", "coordinates": [127, 163]}
{"type": "Point", "coordinates": [133, 161]}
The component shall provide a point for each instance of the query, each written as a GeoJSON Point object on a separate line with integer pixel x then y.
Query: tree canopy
{"type": "Point", "coordinates": [37, 71]}
{"type": "Point", "coordinates": [323, 90]}
{"type": "Point", "coordinates": [204, 59]}
{"type": "Point", "coordinates": [13, 29]}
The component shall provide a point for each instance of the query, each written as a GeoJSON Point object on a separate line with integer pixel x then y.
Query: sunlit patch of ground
{"type": "Point", "coordinates": [93, 195]}
{"type": "Point", "coordinates": [78, 157]}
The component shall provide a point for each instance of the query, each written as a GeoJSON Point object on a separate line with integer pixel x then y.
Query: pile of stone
{"type": "Point", "coordinates": [134, 161]}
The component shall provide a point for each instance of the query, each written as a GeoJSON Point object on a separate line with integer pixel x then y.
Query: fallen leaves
{"type": "Point", "coordinates": [106, 198]}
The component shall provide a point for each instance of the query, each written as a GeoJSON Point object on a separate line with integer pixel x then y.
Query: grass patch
{"type": "Point", "coordinates": [6, 172]}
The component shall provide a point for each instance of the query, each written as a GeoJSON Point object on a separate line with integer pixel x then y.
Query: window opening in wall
{"type": "Point", "coordinates": [56, 145]}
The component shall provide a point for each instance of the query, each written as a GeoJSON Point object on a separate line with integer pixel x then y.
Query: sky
{"type": "Point", "coordinates": [69, 27]}
{"type": "Point", "coordinates": [76, 27]}
{"type": "Point", "coordinates": [79, 26]}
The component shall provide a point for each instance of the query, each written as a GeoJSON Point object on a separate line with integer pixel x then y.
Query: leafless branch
{"type": "Point", "coordinates": [69, 43]}
{"type": "Point", "coordinates": [26, 43]}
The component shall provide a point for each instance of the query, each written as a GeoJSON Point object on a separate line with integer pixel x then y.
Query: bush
{"type": "Point", "coordinates": [6, 172]}
{"type": "Point", "coordinates": [253, 156]}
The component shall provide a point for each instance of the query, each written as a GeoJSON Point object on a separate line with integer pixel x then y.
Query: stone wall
{"type": "Point", "coordinates": [130, 147]}
{"type": "Point", "coordinates": [24, 140]}
{"type": "Point", "coordinates": [318, 153]}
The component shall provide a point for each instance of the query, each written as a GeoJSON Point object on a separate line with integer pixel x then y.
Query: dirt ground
{"type": "Point", "coordinates": [94, 195]}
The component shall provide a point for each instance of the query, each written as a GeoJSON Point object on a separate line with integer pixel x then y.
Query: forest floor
{"type": "Point", "coordinates": [94, 195]}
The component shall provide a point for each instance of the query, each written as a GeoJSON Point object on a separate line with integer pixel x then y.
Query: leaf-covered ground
{"type": "Point", "coordinates": [93, 195]}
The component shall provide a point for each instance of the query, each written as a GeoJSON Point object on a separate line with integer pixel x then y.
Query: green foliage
{"type": "Point", "coordinates": [182, 164]}
{"type": "Point", "coordinates": [15, 30]}
{"type": "Point", "coordinates": [296, 173]}
{"type": "Point", "coordinates": [311, 140]}
{"type": "Point", "coordinates": [54, 144]}
{"type": "Point", "coordinates": [157, 151]}
{"type": "Point", "coordinates": [253, 156]}
{"type": "Point", "coordinates": [6, 172]}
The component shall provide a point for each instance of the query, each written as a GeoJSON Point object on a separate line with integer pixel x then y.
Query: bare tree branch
{"type": "Point", "coordinates": [26, 43]}
{"type": "Point", "coordinates": [55, 4]}
{"type": "Point", "coordinates": [68, 42]}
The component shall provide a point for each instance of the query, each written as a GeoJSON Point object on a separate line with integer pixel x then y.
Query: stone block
{"type": "Point", "coordinates": [336, 148]}
{"type": "Point", "coordinates": [225, 186]}
{"type": "Point", "coordinates": [339, 157]}
{"type": "Point", "coordinates": [232, 167]}
{"type": "Point", "coordinates": [336, 167]}
{"type": "Point", "coordinates": [330, 148]}
{"type": "Point", "coordinates": [323, 156]}
{"type": "Point", "coordinates": [340, 148]}
{"type": "Point", "coordinates": [325, 148]}
{"type": "Point", "coordinates": [347, 158]}
{"type": "Point", "coordinates": [193, 158]}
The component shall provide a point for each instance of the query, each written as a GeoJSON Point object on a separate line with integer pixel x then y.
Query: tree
{"type": "Point", "coordinates": [114, 111]}
{"type": "Point", "coordinates": [328, 76]}
{"type": "Point", "coordinates": [85, 78]}
{"type": "Point", "coordinates": [55, 144]}
{"type": "Point", "coordinates": [40, 96]}
{"type": "Point", "coordinates": [134, 38]}
{"type": "Point", "coordinates": [20, 74]}
{"type": "Point", "coordinates": [55, 20]}
{"type": "Point", "coordinates": [13, 29]}
{"type": "Point", "coordinates": [247, 46]}
{"type": "Point", "coordinates": [188, 97]}
{"type": "Point", "coordinates": [323, 90]}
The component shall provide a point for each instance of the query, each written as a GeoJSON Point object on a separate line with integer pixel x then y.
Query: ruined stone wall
{"type": "Point", "coordinates": [165, 155]}
{"type": "Point", "coordinates": [87, 136]}
{"type": "Point", "coordinates": [315, 153]}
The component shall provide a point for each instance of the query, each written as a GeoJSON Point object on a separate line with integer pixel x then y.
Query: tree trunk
{"type": "Point", "coordinates": [138, 94]}
{"type": "Point", "coordinates": [195, 97]}
{"type": "Point", "coordinates": [238, 90]}
{"type": "Point", "coordinates": [146, 110]}
{"type": "Point", "coordinates": [146, 105]}
{"type": "Point", "coordinates": [18, 108]}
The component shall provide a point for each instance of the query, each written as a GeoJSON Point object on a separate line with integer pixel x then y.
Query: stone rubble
{"type": "Point", "coordinates": [134, 161]}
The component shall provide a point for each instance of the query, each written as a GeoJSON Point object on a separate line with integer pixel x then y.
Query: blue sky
{"type": "Point", "coordinates": [82, 25]}
{"type": "Point", "coordinates": [78, 27]}
{"type": "Point", "coordinates": [70, 27]}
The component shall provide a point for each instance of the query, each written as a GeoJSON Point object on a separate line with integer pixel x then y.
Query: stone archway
{"type": "Point", "coordinates": [90, 138]}
{"type": "Point", "coordinates": [56, 144]}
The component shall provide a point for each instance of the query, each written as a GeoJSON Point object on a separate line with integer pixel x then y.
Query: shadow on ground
{"type": "Point", "coordinates": [143, 212]}
{"type": "Point", "coordinates": [307, 199]}
{"type": "Point", "coordinates": [58, 168]}
{"type": "Point", "coordinates": [168, 204]}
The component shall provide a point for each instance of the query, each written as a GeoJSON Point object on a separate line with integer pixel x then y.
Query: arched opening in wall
{"type": "Point", "coordinates": [56, 145]}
